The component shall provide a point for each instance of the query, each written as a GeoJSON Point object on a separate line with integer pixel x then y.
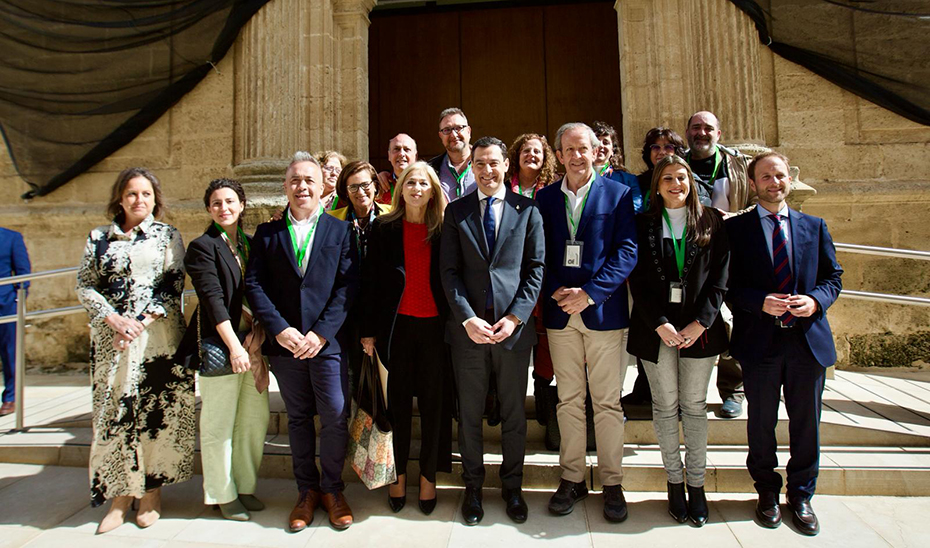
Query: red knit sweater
{"type": "Point", "coordinates": [417, 299]}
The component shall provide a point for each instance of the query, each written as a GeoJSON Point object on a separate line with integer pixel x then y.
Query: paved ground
{"type": "Point", "coordinates": [47, 506]}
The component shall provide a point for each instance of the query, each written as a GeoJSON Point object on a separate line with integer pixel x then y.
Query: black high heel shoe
{"type": "Point", "coordinates": [427, 506]}
{"type": "Point", "coordinates": [397, 503]}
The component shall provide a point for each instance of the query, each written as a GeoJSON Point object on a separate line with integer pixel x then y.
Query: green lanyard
{"type": "Point", "coordinates": [678, 244]}
{"type": "Point", "coordinates": [335, 203]}
{"type": "Point", "coordinates": [717, 162]}
{"type": "Point", "coordinates": [571, 216]}
{"type": "Point", "coordinates": [459, 185]}
{"type": "Point", "coordinates": [604, 170]}
{"type": "Point", "coordinates": [300, 251]}
{"type": "Point", "coordinates": [242, 245]}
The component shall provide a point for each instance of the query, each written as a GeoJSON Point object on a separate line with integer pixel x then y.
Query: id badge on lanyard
{"type": "Point", "coordinates": [676, 292]}
{"type": "Point", "coordinates": [573, 253]}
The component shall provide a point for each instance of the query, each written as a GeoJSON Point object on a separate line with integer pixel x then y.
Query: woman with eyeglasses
{"type": "Point", "coordinates": [332, 163]}
{"type": "Point", "coordinates": [405, 322]}
{"type": "Point", "coordinates": [676, 328]}
{"type": "Point", "coordinates": [608, 162]}
{"type": "Point", "coordinates": [659, 143]}
{"type": "Point", "coordinates": [357, 187]}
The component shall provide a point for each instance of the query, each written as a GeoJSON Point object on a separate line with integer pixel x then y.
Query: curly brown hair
{"type": "Point", "coordinates": [601, 129]}
{"type": "Point", "coordinates": [547, 174]}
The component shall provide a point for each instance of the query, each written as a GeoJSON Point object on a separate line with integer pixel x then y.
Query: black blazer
{"type": "Point", "coordinates": [705, 285]}
{"type": "Point", "coordinates": [513, 269]}
{"type": "Point", "coordinates": [384, 279]}
{"type": "Point", "coordinates": [220, 288]}
{"type": "Point", "coordinates": [319, 300]}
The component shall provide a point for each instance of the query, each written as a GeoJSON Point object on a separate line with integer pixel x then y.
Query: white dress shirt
{"type": "Point", "coordinates": [304, 229]}
{"type": "Point", "coordinates": [575, 202]}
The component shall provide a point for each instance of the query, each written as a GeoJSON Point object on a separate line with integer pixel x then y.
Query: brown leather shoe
{"type": "Point", "coordinates": [340, 515]}
{"type": "Point", "coordinates": [302, 514]}
{"type": "Point", "coordinates": [7, 408]}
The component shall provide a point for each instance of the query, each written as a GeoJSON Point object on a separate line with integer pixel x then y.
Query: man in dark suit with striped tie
{"type": "Point", "coordinates": [783, 277]}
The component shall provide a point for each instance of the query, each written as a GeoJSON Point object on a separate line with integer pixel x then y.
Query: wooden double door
{"type": "Point", "coordinates": [511, 69]}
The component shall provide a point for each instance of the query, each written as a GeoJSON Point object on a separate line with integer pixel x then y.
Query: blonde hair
{"type": "Point", "coordinates": [435, 207]}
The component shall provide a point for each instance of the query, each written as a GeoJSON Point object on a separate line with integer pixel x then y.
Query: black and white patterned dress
{"type": "Point", "coordinates": [143, 402]}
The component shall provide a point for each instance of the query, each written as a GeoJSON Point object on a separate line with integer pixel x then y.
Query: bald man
{"type": "Point", "coordinates": [402, 151]}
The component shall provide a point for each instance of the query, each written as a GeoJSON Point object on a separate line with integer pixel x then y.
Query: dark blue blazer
{"type": "Point", "coordinates": [608, 230]}
{"type": "Point", "coordinates": [815, 273]}
{"type": "Point", "coordinates": [14, 261]}
{"type": "Point", "coordinates": [318, 301]}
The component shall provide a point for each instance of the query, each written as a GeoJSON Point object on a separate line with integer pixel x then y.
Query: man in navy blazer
{"type": "Point", "coordinates": [300, 282]}
{"type": "Point", "coordinates": [590, 252]}
{"type": "Point", "coordinates": [491, 262]}
{"type": "Point", "coordinates": [783, 277]}
{"type": "Point", "coordinates": [14, 261]}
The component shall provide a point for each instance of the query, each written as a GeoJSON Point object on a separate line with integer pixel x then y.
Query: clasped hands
{"type": "Point", "coordinates": [301, 346]}
{"type": "Point", "coordinates": [800, 306]}
{"type": "Point", "coordinates": [680, 339]}
{"type": "Point", "coordinates": [572, 300]}
{"type": "Point", "coordinates": [125, 329]}
{"type": "Point", "coordinates": [481, 332]}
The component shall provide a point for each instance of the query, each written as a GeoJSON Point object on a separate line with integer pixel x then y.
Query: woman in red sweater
{"type": "Point", "coordinates": [406, 325]}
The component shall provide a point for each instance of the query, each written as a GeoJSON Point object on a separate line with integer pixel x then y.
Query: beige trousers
{"type": "Point", "coordinates": [580, 354]}
{"type": "Point", "coordinates": [233, 424]}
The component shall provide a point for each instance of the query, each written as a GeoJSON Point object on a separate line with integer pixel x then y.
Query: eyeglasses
{"type": "Point", "coordinates": [359, 187]}
{"type": "Point", "coordinates": [332, 169]}
{"type": "Point", "coordinates": [667, 148]}
{"type": "Point", "coordinates": [449, 130]}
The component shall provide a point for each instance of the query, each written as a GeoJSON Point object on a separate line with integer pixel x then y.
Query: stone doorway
{"type": "Point", "coordinates": [512, 69]}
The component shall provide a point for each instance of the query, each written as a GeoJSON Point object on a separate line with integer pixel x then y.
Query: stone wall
{"type": "Point", "coordinates": [869, 166]}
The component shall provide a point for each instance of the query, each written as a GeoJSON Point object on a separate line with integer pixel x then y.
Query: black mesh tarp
{"type": "Point", "coordinates": [877, 49]}
{"type": "Point", "coordinates": [81, 78]}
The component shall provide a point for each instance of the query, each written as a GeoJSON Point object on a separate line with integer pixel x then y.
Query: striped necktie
{"type": "Point", "coordinates": [783, 280]}
{"type": "Point", "coordinates": [489, 226]}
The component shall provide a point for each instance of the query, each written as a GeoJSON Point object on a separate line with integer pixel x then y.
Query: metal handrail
{"type": "Point", "coordinates": [884, 251]}
{"type": "Point", "coordinates": [37, 275]}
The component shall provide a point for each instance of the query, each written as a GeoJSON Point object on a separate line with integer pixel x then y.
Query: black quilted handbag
{"type": "Point", "coordinates": [214, 357]}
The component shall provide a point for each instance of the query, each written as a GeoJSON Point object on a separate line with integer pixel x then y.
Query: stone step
{"type": "Point", "coordinates": [845, 470]}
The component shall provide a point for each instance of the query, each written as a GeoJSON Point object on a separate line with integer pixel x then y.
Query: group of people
{"type": "Point", "coordinates": [443, 269]}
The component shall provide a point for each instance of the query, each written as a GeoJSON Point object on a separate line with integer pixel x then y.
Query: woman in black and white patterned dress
{"type": "Point", "coordinates": [130, 282]}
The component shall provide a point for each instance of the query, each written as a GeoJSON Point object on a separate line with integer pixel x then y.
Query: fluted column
{"type": "Point", "coordinates": [681, 56]}
{"type": "Point", "coordinates": [350, 127]}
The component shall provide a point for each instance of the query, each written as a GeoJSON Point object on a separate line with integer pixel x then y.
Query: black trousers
{"type": "Point", "coordinates": [418, 368]}
{"type": "Point", "coordinates": [791, 368]}
{"type": "Point", "coordinates": [473, 366]}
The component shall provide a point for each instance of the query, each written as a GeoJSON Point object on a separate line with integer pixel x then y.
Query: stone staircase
{"type": "Point", "coordinates": [875, 438]}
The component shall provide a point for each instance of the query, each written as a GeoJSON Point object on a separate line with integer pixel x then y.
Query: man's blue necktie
{"type": "Point", "coordinates": [782, 266]}
{"type": "Point", "coordinates": [489, 223]}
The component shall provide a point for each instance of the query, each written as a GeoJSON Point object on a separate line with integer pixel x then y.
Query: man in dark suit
{"type": "Point", "coordinates": [300, 282]}
{"type": "Point", "coordinates": [14, 261]}
{"type": "Point", "coordinates": [590, 252]}
{"type": "Point", "coordinates": [783, 277]}
{"type": "Point", "coordinates": [491, 263]}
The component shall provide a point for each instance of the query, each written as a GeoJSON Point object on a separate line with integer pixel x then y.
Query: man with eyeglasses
{"type": "Point", "coordinates": [720, 174]}
{"type": "Point", "coordinates": [402, 151]}
{"type": "Point", "coordinates": [454, 166]}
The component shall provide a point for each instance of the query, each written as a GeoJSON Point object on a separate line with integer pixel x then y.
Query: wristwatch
{"type": "Point", "coordinates": [591, 301]}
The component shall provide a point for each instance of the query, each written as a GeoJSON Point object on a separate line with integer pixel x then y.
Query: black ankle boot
{"type": "Point", "coordinates": [697, 505]}
{"type": "Point", "coordinates": [677, 505]}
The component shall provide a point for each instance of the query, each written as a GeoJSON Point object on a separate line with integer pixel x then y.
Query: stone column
{"type": "Point", "coordinates": [301, 84]}
{"type": "Point", "coordinates": [681, 56]}
{"type": "Point", "coordinates": [350, 135]}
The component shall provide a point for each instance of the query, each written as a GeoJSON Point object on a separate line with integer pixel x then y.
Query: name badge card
{"type": "Point", "coordinates": [675, 292]}
{"type": "Point", "coordinates": [573, 250]}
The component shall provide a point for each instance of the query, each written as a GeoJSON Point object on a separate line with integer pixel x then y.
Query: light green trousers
{"type": "Point", "coordinates": [233, 423]}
